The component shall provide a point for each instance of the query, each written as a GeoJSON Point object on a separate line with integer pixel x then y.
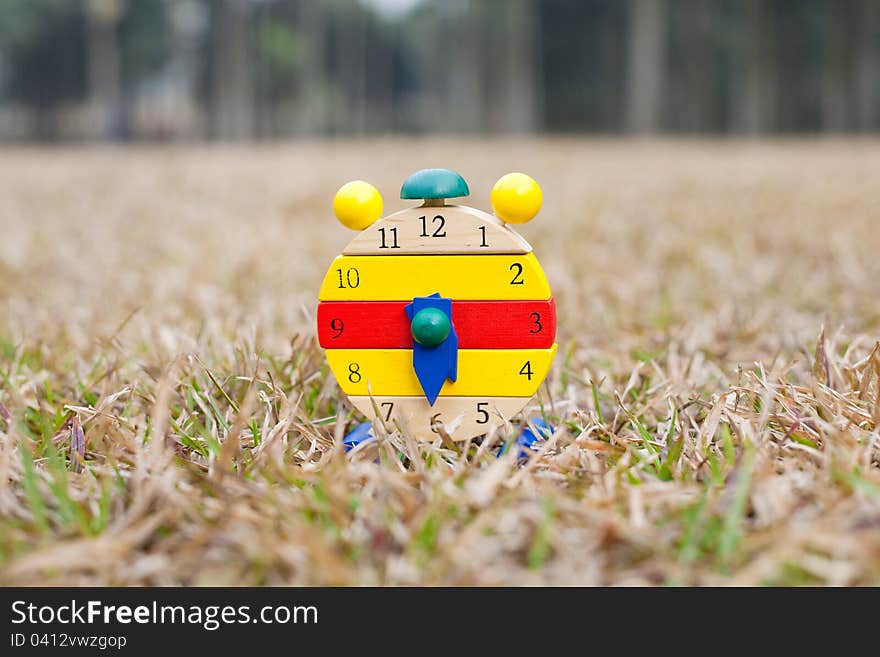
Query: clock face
{"type": "Point", "coordinates": [474, 296]}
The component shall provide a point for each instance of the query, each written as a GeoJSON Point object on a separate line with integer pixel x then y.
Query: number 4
{"type": "Point", "coordinates": [526, 370]}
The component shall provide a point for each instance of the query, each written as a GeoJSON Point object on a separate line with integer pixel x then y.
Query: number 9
{"type": "Point", "coordinates": [336, 325]}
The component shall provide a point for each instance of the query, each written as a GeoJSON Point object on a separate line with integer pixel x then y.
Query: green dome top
{"type": "Point", "coordinates": [434, 183]}
{"type": "Point", "coordinates": [430, 327]}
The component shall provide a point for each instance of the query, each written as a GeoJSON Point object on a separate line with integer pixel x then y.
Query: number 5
{"type": "Point", "coordinates": [483, 412]}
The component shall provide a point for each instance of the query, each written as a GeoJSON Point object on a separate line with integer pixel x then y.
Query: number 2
{"type": "Point", "coordinates": [517, 277]}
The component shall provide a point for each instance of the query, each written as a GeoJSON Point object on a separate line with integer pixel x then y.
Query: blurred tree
{"type": "Point", "coordinates": [279, 63]}
{"type": "Point", "coordinates": [349, 63]}
{"type": "Point", "coordinates": [836, 78]}
{"type": "Point", "coordinates": [144, 36]}
{"type": "Point", "coordinates": [105, 82]}
{"type": "Point", "coordinates": [583, 45]}
{"type": "Point", "coordinates": [647, 64]}
{"type": "Point", "coordinates": [232, 85]}
{"type": "Point", "coordinates": [274, 68]}
{"type": "Point", "coordinates": [383, 39]}
{"type": "Point", "coordinates": [518, 55]}
{"type": "Point", "coordinates": [696, 67]}
{"type": "Point", "coordinates": [460, 62]}
{"type": "Point", "coordinates": [43, 42]}
{"type": "Point", "coordinates": [186, 22]}
{"type": "Point", "coordinates": [754, 81]}
{"type": "Point", "coordinates": [313, 97]}
{"type": "Point", "coordinates": [867, 72]}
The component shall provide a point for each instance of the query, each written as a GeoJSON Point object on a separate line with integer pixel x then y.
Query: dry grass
{"type": "Point", "coordinates": [167, 417]}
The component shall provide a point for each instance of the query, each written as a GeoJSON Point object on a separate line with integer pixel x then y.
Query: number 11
{"type": "Point", "coordinates": [393, 232]}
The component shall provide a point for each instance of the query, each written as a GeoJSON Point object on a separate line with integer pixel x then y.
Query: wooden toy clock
{"type": "Point", "coordinates": [438, 319]}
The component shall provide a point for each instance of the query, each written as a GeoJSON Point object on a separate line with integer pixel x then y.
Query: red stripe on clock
{"type": "Point", "coordinates": [520, 324]}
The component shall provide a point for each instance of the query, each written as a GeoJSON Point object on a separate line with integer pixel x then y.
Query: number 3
{"type": "Point", "coordinates": [536, 320]}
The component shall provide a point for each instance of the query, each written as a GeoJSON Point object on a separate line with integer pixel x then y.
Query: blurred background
{"type": "Point", "coordinates": [269, 69]}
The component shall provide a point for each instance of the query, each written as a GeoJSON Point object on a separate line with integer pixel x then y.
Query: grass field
{"type": "Point", "coordinates": [168, 418]}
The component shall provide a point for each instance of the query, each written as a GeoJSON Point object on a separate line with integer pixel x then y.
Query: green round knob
{"type": "Point", "coordinates": [434, 184]}
{"type": "Point", "coordinates": [430, 327]}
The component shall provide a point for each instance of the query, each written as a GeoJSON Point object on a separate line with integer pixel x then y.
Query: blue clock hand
{"type": "Point", "coordinates": [435, 343]}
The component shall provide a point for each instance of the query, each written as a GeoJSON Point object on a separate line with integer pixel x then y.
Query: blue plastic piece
{"type": "Point", "coordinates": [433, 365]}
{"type": "Point", "coordinates": [434, 183]}
{"type": "Point", "coordinates": [360, 434]}
{"type": "Point", "coordinates": [527, 439]}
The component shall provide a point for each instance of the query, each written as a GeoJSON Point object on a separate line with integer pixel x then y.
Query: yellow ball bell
{"type": "Point", "coordinates": [357, 205]}
{"type": "Point", "coordinates": [516, 198]}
